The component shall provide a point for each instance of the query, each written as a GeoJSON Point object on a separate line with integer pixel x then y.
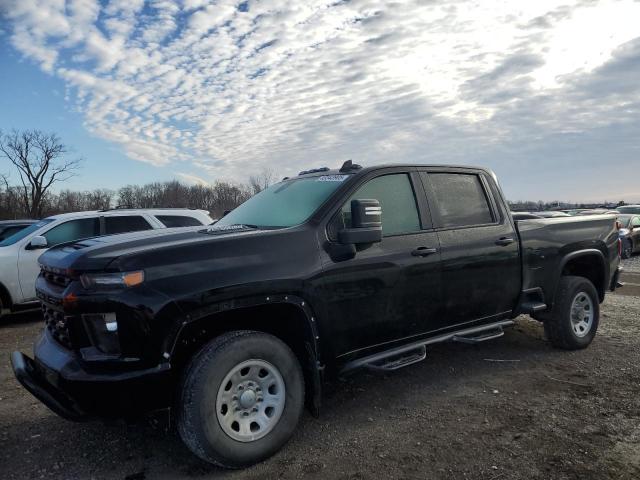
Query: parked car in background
{"type": "Point", "coordinates": [9, 227]}
{"type": "Point", "coordinates": [599, 211]}
{"type": "Point", "coordinates": [629, 234]}
{"type": "Point", "coordinates": [233, 327]}
{"type": "Point", "coordinates": [552, 214]}
{"type": "Point", "coordinates": [629, 209]}
{"type": "Point", "coordinates": [19, 253]}
{"type": "Point", "coordinates": [524, 216]}
{"type": "Point", "coordinates": [573, 212]}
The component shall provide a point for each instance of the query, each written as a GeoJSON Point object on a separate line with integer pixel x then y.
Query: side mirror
{"type": "Point", "coordinates": [38, 242]}
{"type": "Point", "coordinates": [366, 223]}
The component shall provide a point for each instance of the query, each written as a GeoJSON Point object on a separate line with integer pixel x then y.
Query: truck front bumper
{"type": "Point", "coordinates": [58, 379]}
{"type": "Point", "coordinates": [31, 378]}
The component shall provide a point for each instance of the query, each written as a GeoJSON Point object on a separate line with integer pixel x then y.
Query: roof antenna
{"type": "Point", "coordinates": [349, 166]}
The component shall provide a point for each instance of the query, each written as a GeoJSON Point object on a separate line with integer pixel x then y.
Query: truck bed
{"type": "Point", "coordinates": [546, 245]}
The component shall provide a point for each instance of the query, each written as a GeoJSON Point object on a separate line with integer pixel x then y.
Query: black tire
{"type": "Point", "coordinates": [198, 423]}
{"type": "Point", "coordinates": [558, 323]}
{"type": "Point", "coordinates": [627, 249]}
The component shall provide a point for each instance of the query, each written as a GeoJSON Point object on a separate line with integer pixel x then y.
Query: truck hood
{"type": "Point", "coordinates": [145, 249]}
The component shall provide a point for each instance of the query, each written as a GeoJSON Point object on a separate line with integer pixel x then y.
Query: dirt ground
{"type": "Point", "coordinates": [513, 408]}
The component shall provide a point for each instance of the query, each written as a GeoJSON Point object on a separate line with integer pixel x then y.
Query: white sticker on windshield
{"type": "Point", "coordinates": [332, 178]}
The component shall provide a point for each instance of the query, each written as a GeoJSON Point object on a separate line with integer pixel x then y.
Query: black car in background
{"type": "Point", "coordinates": [629, 234]}
{"type": "Point", "coordinates": [9, 227]}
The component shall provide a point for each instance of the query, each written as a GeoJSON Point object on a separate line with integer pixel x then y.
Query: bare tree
{"type": "Point", "coordinates": [262, 181]}
{"type": "Point", "coordinates": [38, 157]}
{"type": "Point", "coordinates": [215, 198]}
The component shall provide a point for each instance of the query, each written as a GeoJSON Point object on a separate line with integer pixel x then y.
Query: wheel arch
{"type": "Point", "coordinates": [588, 263]}
{"type": "Point", "coordinates": [288, 317]}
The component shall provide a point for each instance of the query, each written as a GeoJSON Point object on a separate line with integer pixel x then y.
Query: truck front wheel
{"type": "Point", "coordinates": [241, 399]}
{"type": "Point", "coordinates": [573, 321]}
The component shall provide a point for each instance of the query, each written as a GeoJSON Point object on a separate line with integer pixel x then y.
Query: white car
{"type": "Point", "coordinates": [19, 253]}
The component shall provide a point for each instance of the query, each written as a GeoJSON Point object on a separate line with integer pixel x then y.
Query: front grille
{"type": "Point", "coordinates": [54, 277]}
{"type": "Point", "coordinates": [57, 324]}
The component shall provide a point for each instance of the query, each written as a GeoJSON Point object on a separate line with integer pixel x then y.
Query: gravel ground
{"type": "Point", "coordinates": [539, 413]}
{"type": "Point", "coordinates": [632, 265]}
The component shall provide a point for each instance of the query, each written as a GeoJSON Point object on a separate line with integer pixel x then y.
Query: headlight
{"type": "Point", "coordinates": [112, 280]}
{"type": "Point", "coordinates": [623, 232]}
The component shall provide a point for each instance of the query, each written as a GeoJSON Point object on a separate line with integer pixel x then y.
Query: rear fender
{"type": "Point", "coordinates": [601, 273]}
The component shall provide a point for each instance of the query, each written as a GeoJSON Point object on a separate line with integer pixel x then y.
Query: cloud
{"type": "Point", "coordinates": [194, 179]}
{"type": "Point", "coordinates": [232, 87]}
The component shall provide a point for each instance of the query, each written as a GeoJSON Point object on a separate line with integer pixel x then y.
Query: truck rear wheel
{"type": "Point", "coordinates": [241, 399]}
{"type": "Point", "coordinates": [573, 322]}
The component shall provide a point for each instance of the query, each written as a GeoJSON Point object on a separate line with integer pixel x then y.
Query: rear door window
{"type": "Point", "coordinates": [73, 230]}
{"type": "Point", "coordinates": [125, 223]}
{"type": "Point", "coordinates": [635, 222]}
{"type": "Point", "coordinates": [460, 198]}
{"type": "Point", "coordinates": [172, 221]}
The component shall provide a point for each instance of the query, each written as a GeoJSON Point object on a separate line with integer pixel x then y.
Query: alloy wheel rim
{"type": "Point", "coordinates": [250, 400]}
{"type": "Point", "coordinates": [582, 314]}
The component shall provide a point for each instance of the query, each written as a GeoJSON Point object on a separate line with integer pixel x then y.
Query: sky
{"type": "Point", "coordinates": [545, 93]}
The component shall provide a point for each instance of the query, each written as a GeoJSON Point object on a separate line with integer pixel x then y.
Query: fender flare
{"type": "Point", "coordinates": [311, 341]}
{"type": "Point", "coordinates": [588, 252]}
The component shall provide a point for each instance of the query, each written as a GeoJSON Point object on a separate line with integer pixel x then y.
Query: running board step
{"type": "Point", "coordinates": [532, 307]}
{"type": "Point", "coordinates": [482, 337]}
{"type": "Point", "coordinates": [400, 360]}
{"type": "Point", "coordinates": [413, 348]}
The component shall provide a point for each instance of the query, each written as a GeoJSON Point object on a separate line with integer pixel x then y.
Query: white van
{"type": "Point", "coordinates": [19, 253]}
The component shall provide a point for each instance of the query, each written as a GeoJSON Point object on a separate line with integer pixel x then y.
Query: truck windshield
{"type": "Point", "coordinates": [284, 204]}
{"type": "Point", "coordinates": [16, 237]}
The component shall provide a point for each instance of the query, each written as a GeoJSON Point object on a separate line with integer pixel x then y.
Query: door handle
{"type": "Point", "coordinates": [504, 241]}
{"type": "Point", "coordinates": [424, 251]}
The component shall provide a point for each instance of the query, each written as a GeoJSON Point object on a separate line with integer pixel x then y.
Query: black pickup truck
{"type": "Point", "coordinates": [235, 326]}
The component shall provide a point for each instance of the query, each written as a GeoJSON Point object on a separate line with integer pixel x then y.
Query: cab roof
{"type": "Point", "coordinates": [349, 168]}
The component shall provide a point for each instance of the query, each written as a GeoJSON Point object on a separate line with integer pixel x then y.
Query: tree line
{"type": "Point", "coordinates": [39, 159]}
{"type": "Point", "coordinates": [215, 198]}
{"type": "Point", "coordinates": [540, 206]}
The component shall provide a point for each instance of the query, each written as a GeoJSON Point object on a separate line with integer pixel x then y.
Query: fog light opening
{"type": "Point", "coordinates": [102, 329]}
